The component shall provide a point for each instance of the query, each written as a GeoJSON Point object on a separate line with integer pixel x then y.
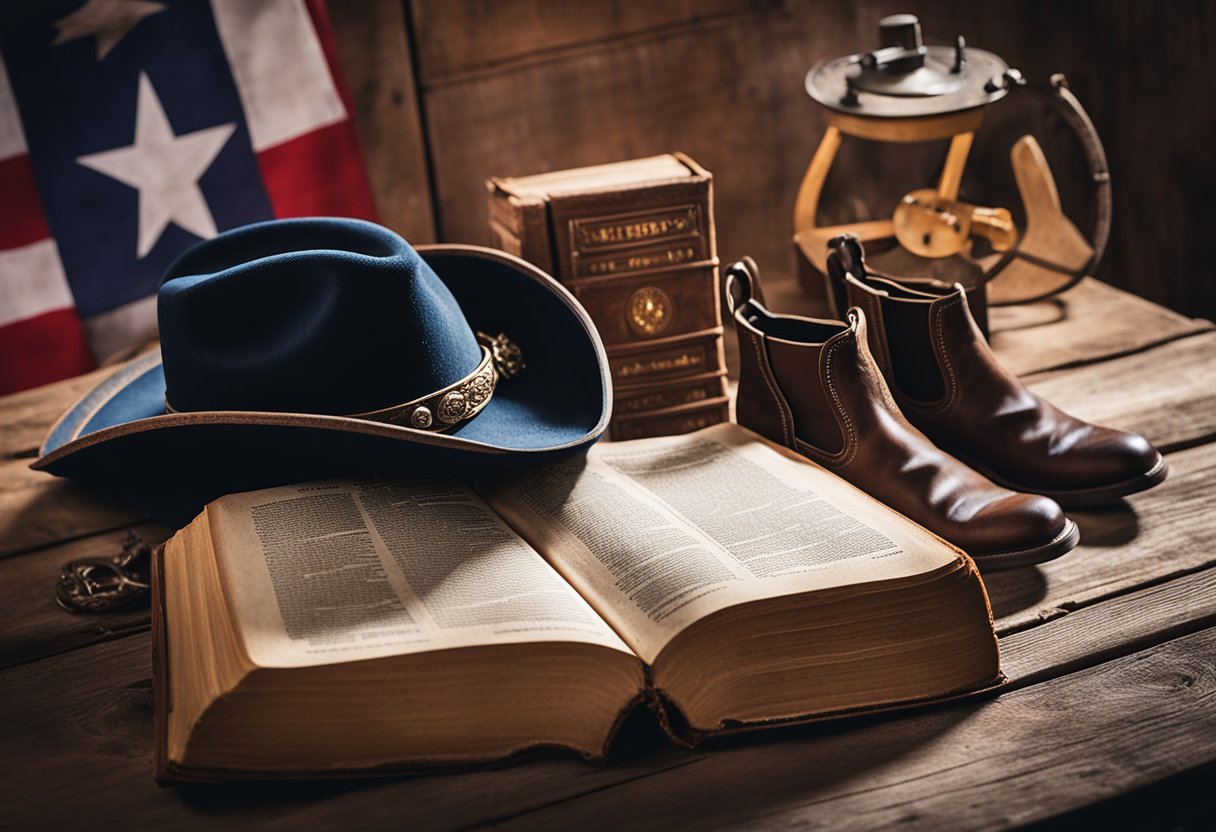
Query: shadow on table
{"type": "Point", "coordinates": [782, 763]}
{"type": "Point", "coordinates": [1113, 525]}
{"type": "Point", "coordinates": [1104, 527]}
{"type": "Point", "coordinates": [1028, 315]}
{"type": "Point", "coordinates": [466, 796]}
{"type": "Point", "coordinates": [1015, 590]}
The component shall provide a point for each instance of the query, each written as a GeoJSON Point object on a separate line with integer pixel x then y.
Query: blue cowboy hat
{"type": "Point", "coordinates": [305, 348]}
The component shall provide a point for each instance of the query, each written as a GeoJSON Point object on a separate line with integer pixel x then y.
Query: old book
{"type": "Point", "coordinates": [722, 582]}
{"type": "Point", "coordinates": [634, 242]}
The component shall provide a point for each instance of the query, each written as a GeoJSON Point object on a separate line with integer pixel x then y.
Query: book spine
{"type": "Point", "coordinates": [665, 360]}
{"type": "Point", "coordinates": [634, 399]}
{"type": "Point", "coordinates": [642, 259]}
{"type": "Point", "coordinates": [683, 419]}
{"type": "Point", "coordinates": [520, 226]}
{"type": "Point", "coordinates": [640, 307]}
{"type": "Point", "coordinates": [637, 241]}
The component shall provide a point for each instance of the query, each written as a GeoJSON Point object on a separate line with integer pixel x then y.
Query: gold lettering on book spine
{"type": "Point", "coordinates": [654, 401]}
{"type": "Point", "coordinates": [660, 365]}
{"type": "Point", "coordinates": [640, 262]}
{"type": "Point", "coordinates": [627, 230]}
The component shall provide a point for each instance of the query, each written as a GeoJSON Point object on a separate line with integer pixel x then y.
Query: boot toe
{"type": "Point", "coordinates": [1115, 456]}
{"type": "Point", "coordinates": [1020, 529]}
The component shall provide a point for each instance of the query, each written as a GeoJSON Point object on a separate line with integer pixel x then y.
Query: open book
{"type": "Point", "coordinates": [718, 579]}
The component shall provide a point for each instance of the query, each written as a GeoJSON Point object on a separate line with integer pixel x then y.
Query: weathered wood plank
{"type": "Point", "coordinates": [707, 88]}
{"type": "Point", "coordinates": [1030, 755]}
{"type": "Point", "coordinates": [28, 415]}
{"type": "Point", "coordinates": [1100, 632]}
{"type": "Point", "coordinates": [1167, 393]}
{"type": "Point", "coordinates": [456, 39]}
{"type": "Point", "coordinates": [33, 625]}
{"type": "Point", "coordinates": [1160, 533]}
{"type": "Point", "coordinates": [37, 509]}
{"type": "Point", "coordinates": [1130, 722]}
{"type": "Point", "coordinates": [1089, 322]}
{"type": "Point", "coordinates": [81, 723]}
{"type": "Point", "coordinates": [375, 51]}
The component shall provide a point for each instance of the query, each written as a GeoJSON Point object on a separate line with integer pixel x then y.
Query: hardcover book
{"type": "Point", "coordinates": [634, 242]}
{"type": "Point", "coordinates": [713, 578]}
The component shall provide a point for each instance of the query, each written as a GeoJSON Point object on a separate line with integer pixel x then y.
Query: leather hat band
{"type": "Point", "coordinates": [459, 401]}
{"type": "Point", "coordinates": [444, 408]}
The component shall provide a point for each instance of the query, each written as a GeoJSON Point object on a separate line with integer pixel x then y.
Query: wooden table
{"type": "Point", "coordinates": [1112, 650]}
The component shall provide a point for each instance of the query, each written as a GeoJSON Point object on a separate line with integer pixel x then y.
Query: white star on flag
{"type": "Point", "coordinates": [165, 169]}
{"type": "Point", "coordinates": [107, 20]}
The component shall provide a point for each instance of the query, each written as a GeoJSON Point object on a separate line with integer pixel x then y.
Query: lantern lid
{"type": "Point", "coordinates": [905, 78]}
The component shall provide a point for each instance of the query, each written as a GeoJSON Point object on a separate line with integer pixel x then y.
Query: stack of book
{"type": "Point", "coordinates": [634, 242]}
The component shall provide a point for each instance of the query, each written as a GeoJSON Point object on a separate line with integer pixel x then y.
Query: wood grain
{"type": "Point", "coordinates": [1089, 322]}
{"type": "Point", "coordinates": [1166, 393]}
{"type": "Point", "coordinates": [374, 47]}
{"type": "Point", "coordinates": [1003, 763]}
{"type": "Point", "coordinates": [33, 625]}
{"type": "Point", "coordinates": [83, 721]}
{"type": "Point", "coordinates": [1091, 635]}
{"type": "Point", "coordinates": [93, 708]}
{"type": "Point", "coordinates": [28, 415]}
{"type": "Point", "coordinates": [477, 36]}
{"type": "Point", "coordinates": [37, 509]}
{"type": "Point", "coordinates": [1162, 533]}
{"type": "Point", "coordinates": [708, 88]}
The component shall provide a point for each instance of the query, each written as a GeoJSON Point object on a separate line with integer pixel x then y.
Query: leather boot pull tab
{"type": "Point", "coordinates": [845, 257]}
{"type": "Point", "coordinates": [743, 284]}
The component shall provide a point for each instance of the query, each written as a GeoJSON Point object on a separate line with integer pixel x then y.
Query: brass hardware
{"type": "Point", "coordinates": [101, 584]}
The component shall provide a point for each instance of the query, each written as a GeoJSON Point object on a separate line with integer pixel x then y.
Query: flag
{"type": "Point", "coordinates": [132, 129]}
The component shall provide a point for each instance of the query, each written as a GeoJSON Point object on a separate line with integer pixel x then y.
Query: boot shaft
{"type": "Point", "coordinates": [809, 384]}
{"type": "Point", "coordinates": [923, 334]}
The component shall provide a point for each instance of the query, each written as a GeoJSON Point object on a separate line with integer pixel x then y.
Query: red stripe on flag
{"type": "Point", "coordinates": [319, 14]}
{"type": "Point", "coordinates": [318, 174]}
{"type": "Point", "coordinates": [21, 220]}
{"type": "Point", "coordinates": [42, 349]}
{"type": "Point", "coordinates": [322, 172]}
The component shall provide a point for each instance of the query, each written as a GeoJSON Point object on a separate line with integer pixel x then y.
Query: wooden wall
{"type": "Point", "coordinates": [451, 92]}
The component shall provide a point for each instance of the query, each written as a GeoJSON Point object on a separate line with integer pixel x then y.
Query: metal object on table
{"type": "Point", "coordinates": [908, 91]}
{"type": "Point", "coordinates": [102, 584]}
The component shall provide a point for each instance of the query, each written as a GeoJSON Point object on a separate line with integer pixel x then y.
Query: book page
{"type": "Point", "coordinates": [334, 571]}
{"type": "Point", "coordinates": [658, 533]}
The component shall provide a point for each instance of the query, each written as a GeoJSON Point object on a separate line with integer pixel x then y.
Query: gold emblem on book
{"type": "Point", "coordinates": [649, 311]}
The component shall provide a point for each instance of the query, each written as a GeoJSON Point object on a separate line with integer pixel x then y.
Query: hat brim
{"type": "Point", "coordinates": [119, 431]}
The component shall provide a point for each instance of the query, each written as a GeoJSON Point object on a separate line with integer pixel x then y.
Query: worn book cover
{"type": "Point", "coordinates": [634, 242]}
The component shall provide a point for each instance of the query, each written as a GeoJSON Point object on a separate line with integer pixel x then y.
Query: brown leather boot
{"type": "Point", "coordinates": [949, 384]}
{"type": "Point", "coordinates": [812, 386]}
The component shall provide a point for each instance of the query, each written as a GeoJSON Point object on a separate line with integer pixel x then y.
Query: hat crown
{"type": "Point", "coordinates": [329, 316]}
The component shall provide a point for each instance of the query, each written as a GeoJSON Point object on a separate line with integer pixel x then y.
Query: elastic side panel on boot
{"type": "Point", "coordinates": [796, 367]}
{"type": "Point", "coordinates": [910, 342]}
{"type": "Point", "coordinates": [758, 405]}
